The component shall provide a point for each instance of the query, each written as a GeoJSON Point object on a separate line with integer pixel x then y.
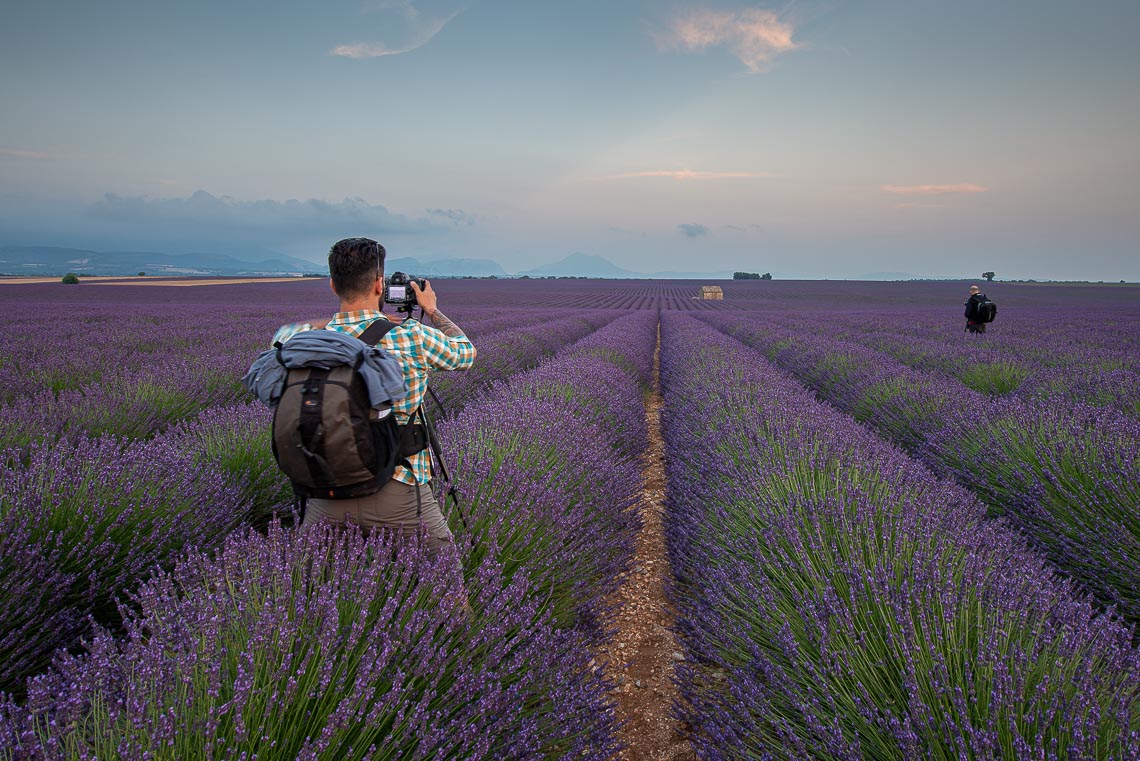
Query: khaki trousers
{"type": "Point", "coordinates": [393, 507]}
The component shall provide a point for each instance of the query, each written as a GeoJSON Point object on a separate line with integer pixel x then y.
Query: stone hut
{"type": "Point", "coordinates": [712, 292]}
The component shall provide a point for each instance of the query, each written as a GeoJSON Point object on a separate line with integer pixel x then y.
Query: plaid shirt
{"type": "Point", "coordinates": [419, 350]}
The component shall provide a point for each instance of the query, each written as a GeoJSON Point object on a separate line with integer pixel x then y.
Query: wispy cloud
{"type": "Point", "coordinates": [455, 217]}
{"type": "Point", "coordinates": [19, 154]}
{"type": "Point", "coordinates": [403, 7]}
{"type": "Point", "coordinates": [753, 35]}
{"type": "Point", "coordinates": [693, 230]}
{"type": "Point", "coordinates": [682, 175]}
{"type": "Point", "coordinates": [916, 205]}
{"type": "Point", "coordinates": [625, 231]}
{"type": "Point", "coordinates": [414, 30]}
{"type": "Point", "coordinates": [360, 50]}
{"type": "Point", "coordinates": [932, 190]}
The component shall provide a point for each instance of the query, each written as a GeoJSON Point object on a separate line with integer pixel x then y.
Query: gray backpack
{"type": "Point", "coordinates": [328, 439]}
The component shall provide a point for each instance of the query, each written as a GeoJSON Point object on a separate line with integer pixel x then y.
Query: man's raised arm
{"type": "Point", "coordinates": [457, 352]}
{"type": "Point", "coordinates": [427, 300]}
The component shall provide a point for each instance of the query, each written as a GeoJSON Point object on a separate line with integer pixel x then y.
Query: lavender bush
{"type": "Point", "coordinates": [320, 645]}
{"type": "Point", "coordinates": [191, 486]}
{"type": "Point", "coordinates": [1066, 475]}
{"type": "Point", "coordinates": [1029, 355]}
{"type": "Point", "coordinates": [836, 601]}
{"type": "Point", "coordinates": [551, 530]}
{"type": "Point", "coordinates": [892, 621]}
{"type": "Point", "coordinates": [506, 353]}
{"type": "Point", "coordinates": [554, 444]}
{"type": "Point", "coordinates": [35, 601]}
{"type": "Point", "coordinates": [174, 383]}
{"type": "Point", "coordinates": [233, 445]}
{"type": "Point", "coordinates": [128, 403]}
{"type": "Point", "coordinates": [94, 517]}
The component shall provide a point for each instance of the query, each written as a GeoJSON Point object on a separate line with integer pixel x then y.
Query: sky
{"type": "Point", "coordinates": [808, 139]}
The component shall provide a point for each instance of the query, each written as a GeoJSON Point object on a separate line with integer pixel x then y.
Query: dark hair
{"type": "Point", "coordinates": [354, 264]}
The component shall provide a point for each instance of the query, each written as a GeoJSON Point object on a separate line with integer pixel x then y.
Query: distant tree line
{"type": "Point", "coordinates": [751, 276]}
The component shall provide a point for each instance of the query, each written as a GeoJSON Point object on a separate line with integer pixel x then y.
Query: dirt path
{"type": "Point", "coordinates": [643, 650]}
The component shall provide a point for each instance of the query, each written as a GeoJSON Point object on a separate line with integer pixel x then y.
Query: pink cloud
{"type": "Point", "coordinates": [916, 205]}
{"type": "Point", "coordinates": [18, 154]}
{"type": "Point", "coordinates": [682, 175]}
{"type": "Point", "coordinates": [932, 190]}
{"type": "Point", "coordinates": [361, 50]}
{"type": "Point", "coordinates": [754, 36]}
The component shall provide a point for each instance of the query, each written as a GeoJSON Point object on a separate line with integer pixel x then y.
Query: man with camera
{"type": "Point", "coordinates": [356, 266]}
{"type": "Point", "coordinates": [977, 314]}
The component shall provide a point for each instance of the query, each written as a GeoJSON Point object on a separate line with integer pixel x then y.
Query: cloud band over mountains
{"type": "Point", "coordinates": [226, 213]}
{"type": "Point", "coordinates": [205, 222]}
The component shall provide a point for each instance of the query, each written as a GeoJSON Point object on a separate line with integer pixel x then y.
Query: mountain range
{"type": "Point", "coordinates": [49, 261]}
{"type": "Point", "coordinates": [445, 267]}
{"type": "Point", "coordinates": [585, 265]}
{"type": "Point", "coordinates": [55, 261]}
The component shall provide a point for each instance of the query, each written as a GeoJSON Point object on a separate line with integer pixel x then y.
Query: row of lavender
{"type": "Point", "coordinates": [85, 517]}
{"type": "Point", "coordinates": [73, 354]}
{"type": "Point", "coordinates": [97, 334]}
{"type": "Point", "coordinates": [143, 377]}
{"type": "Point", "coordinates": [306, 645]}
{"type": "Point", "coordinates": [1068, 476]}
{"type": "Point", "coordinates": [837, 601]}
{"type": "Point", "coordinates": [105, 338]}
{"type": "Point", "coordinates": [1029, 354]}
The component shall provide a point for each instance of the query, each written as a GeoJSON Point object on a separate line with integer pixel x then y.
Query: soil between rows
{"type": "Point", "coordinates": [642, 653]}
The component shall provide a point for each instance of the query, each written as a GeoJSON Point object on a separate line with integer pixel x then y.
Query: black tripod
{"type": "Point", "coordinates": [437, 460]}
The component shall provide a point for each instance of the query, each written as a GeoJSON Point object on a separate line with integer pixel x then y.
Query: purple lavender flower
{"type": "Point", "coordinates": [836, 600]}
{"type": "Point", "coordinates": [1064, 472]}
{"type": "Point", "coordinates": [94, 517]}
{"type": "Point", "coordinates": [320, 644]}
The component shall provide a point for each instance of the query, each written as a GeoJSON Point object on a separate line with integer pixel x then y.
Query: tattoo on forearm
{"type": "Point", "coordinates": [445, 325]}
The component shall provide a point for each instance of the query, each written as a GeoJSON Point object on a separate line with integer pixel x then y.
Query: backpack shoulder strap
{"type": "Point", "coordinates": [377, 330]}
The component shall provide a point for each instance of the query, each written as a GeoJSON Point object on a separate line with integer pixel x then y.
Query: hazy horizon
{"type": "Point", "coordinates": [814, 139]}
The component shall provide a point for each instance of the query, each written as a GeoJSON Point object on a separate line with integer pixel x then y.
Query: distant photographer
{"type": "Point", "coordinates": [980, 310]}
{"type": "Point", "coordinates": [356, 266]}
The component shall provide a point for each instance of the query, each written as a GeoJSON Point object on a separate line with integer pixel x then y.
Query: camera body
{"type": "Point", "coordinates": [398, 290]}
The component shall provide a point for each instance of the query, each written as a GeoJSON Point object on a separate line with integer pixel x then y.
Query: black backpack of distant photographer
{"type": "Point", "coordinates": [984, 309]}
{"type": "Point", "coordinates": [327, 438]}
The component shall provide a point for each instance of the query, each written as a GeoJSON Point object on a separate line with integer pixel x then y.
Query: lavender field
{"type": "Point", "coordinates": [886, 538]}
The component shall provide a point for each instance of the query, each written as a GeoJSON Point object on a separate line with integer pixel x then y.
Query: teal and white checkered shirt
{"type": "Point", "coordinates": [419, 349]}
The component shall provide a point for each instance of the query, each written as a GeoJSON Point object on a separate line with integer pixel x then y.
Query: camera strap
{"type": "Point", "coordinates": [377, 330]}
